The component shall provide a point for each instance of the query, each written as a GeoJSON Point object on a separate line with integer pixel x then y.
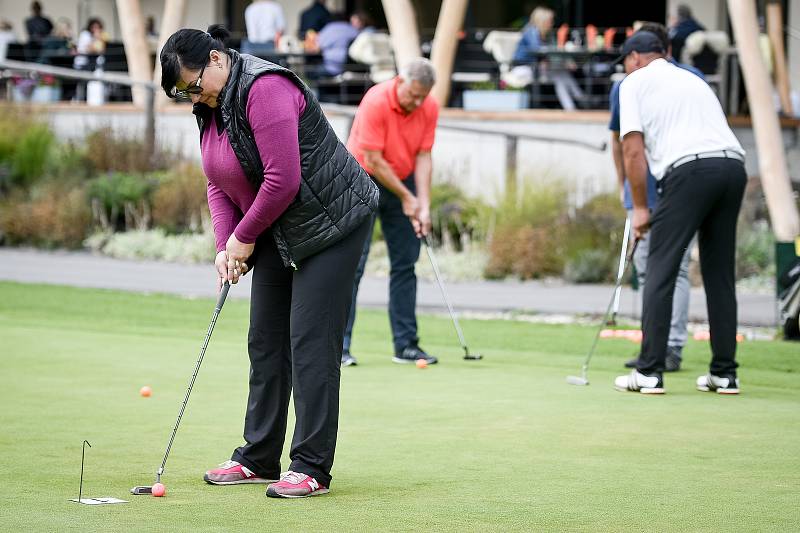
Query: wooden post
{"type": "Point", "coordinates": [171, 21]}
{"type": "Point", "coordinates": [136, 50]}
{"type": "Point", "coordinates": [766, 127]}
{"type": "Point", "coordinates": [403, 29]}
{"type": "Point", "coordinates": [775, 32]}
{"type": "Point", "coordinates": [445, 43]}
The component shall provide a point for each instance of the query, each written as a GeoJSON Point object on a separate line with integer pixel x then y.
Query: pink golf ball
{"type": "Point", "coordinates": [159, 490]}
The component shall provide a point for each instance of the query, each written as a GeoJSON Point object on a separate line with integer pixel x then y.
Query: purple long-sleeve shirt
{"type": "Point", "coordinates": [274, 107]}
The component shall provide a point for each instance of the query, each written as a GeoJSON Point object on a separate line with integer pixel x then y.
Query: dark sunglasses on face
{"type": "Point", "coordinates": [193, 88]}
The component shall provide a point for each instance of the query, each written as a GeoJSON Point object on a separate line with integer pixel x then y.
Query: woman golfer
{"type": "Point", "coordinates": [288, 200]}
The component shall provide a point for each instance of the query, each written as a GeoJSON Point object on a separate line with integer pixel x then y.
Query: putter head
{"type": "Point", "coordinates": [473, 357]}
{"type": "Point", "coordinates": [575, 380]}
{"type": "Point", "coordinates": [142, 490]}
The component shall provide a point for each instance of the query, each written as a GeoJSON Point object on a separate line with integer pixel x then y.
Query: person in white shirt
{"type": "Point", "coordinates": [265, 24]}
{"type": "Point", "coordinates": [672, 120]}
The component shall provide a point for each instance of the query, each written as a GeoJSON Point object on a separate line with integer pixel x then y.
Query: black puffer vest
{"type": "Point", "coordinates": [335, 195]}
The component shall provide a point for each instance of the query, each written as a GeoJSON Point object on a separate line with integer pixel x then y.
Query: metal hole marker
{"type": "Point", "coordinates": [467, 354]}
{"type": "Point", "coordinates": [91, 501]}
{"type": "Point", "coordinates": [583, 379]}
{"type": "Point", "coordinates": [144, 489]}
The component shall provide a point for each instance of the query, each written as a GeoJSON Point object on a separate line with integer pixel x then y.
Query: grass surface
{"type": "Point", "coordinates": [502, 444]}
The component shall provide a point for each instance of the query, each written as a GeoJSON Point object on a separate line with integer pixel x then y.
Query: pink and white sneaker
{"type": "Point", "coordinates": [233, 473]}
{"type": "Point", "coordinates": [296, 485]}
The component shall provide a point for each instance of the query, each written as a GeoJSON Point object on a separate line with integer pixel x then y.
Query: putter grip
{"type": "Point", "coordinates": [222, 295]}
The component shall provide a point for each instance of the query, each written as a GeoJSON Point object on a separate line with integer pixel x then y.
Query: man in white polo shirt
{"type": "Point", "coordinates": [672, 120]}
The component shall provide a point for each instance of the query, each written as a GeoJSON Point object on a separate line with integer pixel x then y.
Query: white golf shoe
{"type": "Point", "coordinates": [637, 382]}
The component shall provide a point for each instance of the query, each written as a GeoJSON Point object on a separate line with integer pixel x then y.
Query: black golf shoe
{"type": "Point", "coordinates": [411, 353]}
{"type": "Point", "coordinates": [673, 361]}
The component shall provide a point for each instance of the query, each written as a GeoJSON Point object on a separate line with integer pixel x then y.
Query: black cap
{"type": "Point", "coordinates": [643, 42]}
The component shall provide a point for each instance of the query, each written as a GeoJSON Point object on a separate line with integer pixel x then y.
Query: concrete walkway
{"type": "Point", "coordinates": [82, 269]}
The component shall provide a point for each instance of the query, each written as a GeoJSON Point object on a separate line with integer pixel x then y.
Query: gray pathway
{"type": "Point", "coordinates": [82, 269]}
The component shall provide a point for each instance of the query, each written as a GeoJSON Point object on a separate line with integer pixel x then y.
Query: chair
{"type": "Point", "coordinates": [374, 49]}
{"type": "Point", "coordinates": [502, 45]}
{"type": "Point", "coordinates": [708, 52]}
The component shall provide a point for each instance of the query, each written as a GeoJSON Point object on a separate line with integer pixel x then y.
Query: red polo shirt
{"type": "Point", "coordinates": [382, 125]}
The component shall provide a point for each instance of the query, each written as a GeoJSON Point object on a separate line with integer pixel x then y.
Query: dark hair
{"type": "Point", "coordinates": [189, 48]}
{"type": "Point", "coordinates": [684, 12]}
{"type": "Point", "coordinates": [91, 22]}
{"type": "Point", "coordinates": [659, 30]}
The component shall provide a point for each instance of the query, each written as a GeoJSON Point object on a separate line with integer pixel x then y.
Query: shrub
{"type": "Point", "coordinates": [755, 249]}
{"type": "Point", "coordinates": [53, 215]}
{"type": "Point", "coordinates": [528, 240]}
{"type": "Point", "coordinates": [594, 239]}
{"type": "Point", "coordinates": [121, 201]}
{"type": "Point", "coordinates": [31, 155]}
{"type": "Point", "coordinates": [180, 202]}
{"type": "Point", "coordinates": [110, 151]}
{"type": "Point", "coordinates": [587, 266]}
{"type": "Point", "coordinates": [155, 244]}
{"type": "Point", "coordinates": [457, 221]}
{"type": "Point", "coordinates": [25, 147]}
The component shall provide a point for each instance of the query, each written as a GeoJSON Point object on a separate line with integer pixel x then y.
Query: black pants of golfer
{"type": "Point", "coordinates": [404, 246]}
{"type": "Point", "coordinates": [297, 321]}
{"type": "Point", "coordinates": [702, 196]}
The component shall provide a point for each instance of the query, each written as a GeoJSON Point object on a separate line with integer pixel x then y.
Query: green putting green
{"type": "Point", "coordinates": [496, 445]}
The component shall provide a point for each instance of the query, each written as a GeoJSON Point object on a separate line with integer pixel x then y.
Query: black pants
{"type": "Point", "coordinates": [703, 196]}
{"type": "Point", "coordinates": [403, 246]}
{"type": "Point", "coordinates": [297, 321]}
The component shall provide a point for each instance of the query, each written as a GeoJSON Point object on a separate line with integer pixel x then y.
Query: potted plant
{"type": "Point", "coordinates": [486, 96]}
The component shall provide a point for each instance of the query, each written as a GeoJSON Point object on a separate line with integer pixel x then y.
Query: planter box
{"type": "Point", "coordinates": [495, 100]}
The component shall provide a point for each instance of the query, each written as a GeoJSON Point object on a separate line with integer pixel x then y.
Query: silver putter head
{"type": "Point", "coordinates": [142, 490]}
{"type": "Point", "coordinates": [575, 380]}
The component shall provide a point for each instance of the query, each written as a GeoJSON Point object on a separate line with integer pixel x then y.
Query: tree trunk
{"type": "Point", "coordinates": [403, 29]}
{"type": "Point", "coordinates": [766, 127]}
{"type": "Point", "coordinates": [775, 31]}
{"type": "Point", "coordinates": [445, 42]}
{"type": "Point", "coordinates": [172, 21]}
{"type": "Point", "coordinates": [136, 50]}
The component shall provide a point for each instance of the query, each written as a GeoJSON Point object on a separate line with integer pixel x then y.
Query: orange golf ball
{"type": "Point", "coordinates": [159, 490]}
{"type": "Point", "coordinates": [422, 363]}
{"type": "Point", "coordinates": [145, 391]}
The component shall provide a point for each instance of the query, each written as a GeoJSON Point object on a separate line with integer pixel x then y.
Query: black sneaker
{"type": "Point", "coordinates": [673, 360]}
{"type": "Point", "coordinates": [348, 360]}
{"type": "Point", "coordinates": [410, 355]}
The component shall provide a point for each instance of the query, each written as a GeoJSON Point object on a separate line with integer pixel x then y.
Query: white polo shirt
{"type": "Point", "coordinates": [264, 18]}
{"type": "Point", "coordinates": [677, 113]}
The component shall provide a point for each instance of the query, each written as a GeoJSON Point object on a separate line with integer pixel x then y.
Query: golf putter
{"type": "Point", "coordinates": [469, 356]}
{"type": "Point", "coordinates": [583, 379]}
{"type": "Point", "coordinates": [220, 302]}
{"type": "Point", "coordinates": [626, 235]}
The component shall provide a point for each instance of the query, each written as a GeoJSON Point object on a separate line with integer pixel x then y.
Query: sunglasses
{"type": "Point", "coordinates": [193, 88]}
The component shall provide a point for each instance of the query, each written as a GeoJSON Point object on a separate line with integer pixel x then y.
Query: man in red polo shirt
{"type": "Point", "coordinates": [392, 137]}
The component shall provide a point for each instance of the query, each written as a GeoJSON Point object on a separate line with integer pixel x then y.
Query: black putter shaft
{"type": "Point", "coordinates": [220, 302]}
{"type": "Point", "coordinates": [467, 355]}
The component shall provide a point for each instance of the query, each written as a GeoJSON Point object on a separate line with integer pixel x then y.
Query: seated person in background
{"type": "Point", "coordinates": [91, 42]}
{"type": "Point", "coordinates": [314, 18]}
{"type": "Point", "coordinates": [37, 25]}
{"type": "Point", "coordinates": [683, 27]}
{"type": "Point", "coordinates": [265, 25]}
{"type": "Point", "coordinates": [538, 34]}
{"type": "Point", "coordinates": [334, 40]}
